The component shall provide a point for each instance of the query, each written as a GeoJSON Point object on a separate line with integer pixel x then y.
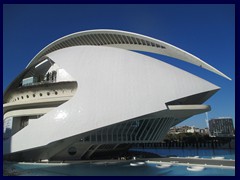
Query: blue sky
{"type": "Point", "coordinates": [207, 31]}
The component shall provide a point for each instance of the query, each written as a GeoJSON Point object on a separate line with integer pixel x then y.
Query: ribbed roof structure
{"type": "Point", "coordinates": [124, 40]}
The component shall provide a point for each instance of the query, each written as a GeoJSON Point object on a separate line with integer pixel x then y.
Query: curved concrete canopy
{"type": "Point", "coordinates": [124, 40]}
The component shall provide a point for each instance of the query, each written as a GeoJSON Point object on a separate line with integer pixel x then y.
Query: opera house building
{"type": "Point", "coordinates": [94, 92]}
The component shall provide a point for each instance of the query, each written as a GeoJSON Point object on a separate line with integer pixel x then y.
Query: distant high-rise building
{"type": "Point", "coordinates": [221, 127]}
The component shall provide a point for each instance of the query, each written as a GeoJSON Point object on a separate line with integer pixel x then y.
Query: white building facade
{"type": "Point", "coordinates": [87, 94]}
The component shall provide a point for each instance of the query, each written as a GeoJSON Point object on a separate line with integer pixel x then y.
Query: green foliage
{"type": "Point", "coordinates": [194, 137]}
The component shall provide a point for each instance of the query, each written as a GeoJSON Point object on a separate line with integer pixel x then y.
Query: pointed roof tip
{"type": "Point", "coordinates": [214, 70]}
{"type": "Point", "coordinates": [208, 67]}
{"type": "Point", "coordinates": [221, 74]}
{"type": "Point", "coordinates": [228, 78]}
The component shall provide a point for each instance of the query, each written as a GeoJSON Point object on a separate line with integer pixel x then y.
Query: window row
{"type": "Point", "coordinates": [33, 95]}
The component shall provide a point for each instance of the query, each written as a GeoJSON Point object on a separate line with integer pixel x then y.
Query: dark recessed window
{"type": "Point", "coordinates": [27, 96]}
{"type": "Point", "coordinates": [34, 95]}
{"type": "Point", "coordinates": [40, 94]}
{"type": "Point", "coordinates": [22, 97]}
{"type": "Point", "coordinates": [48, 93]}
{"type": "Point", "coordinates": [56, 92]}
{"type": "Point", "coordinates": [72, 151]}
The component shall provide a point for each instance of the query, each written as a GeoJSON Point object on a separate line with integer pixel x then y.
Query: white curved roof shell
{"type": "Point", "coordinates": [124, 40]}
